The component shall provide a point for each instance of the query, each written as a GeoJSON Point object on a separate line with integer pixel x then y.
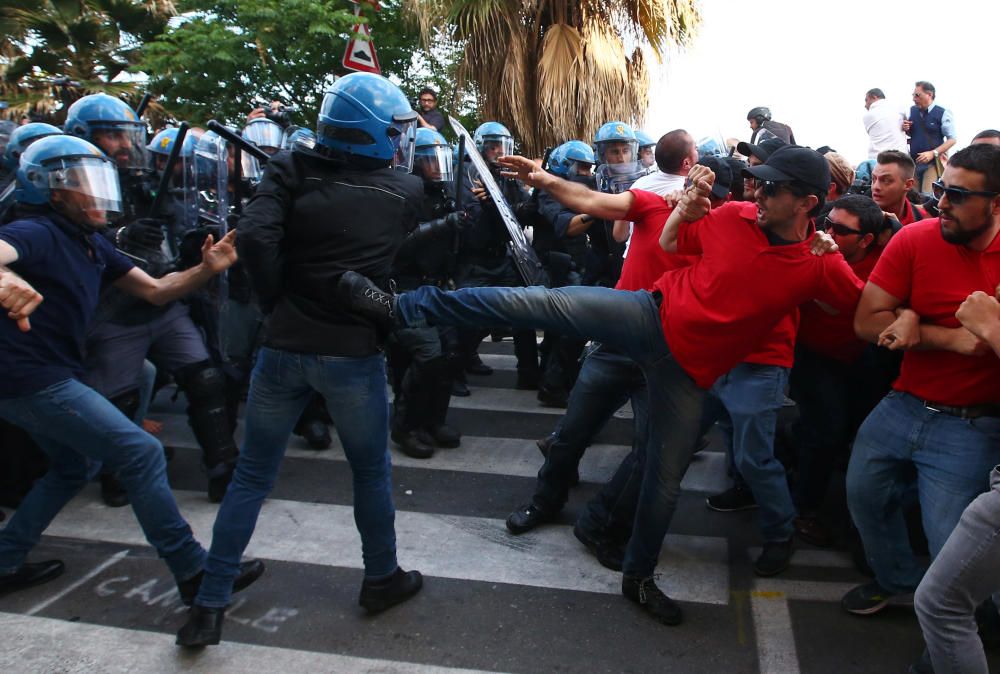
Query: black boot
{"type": "Point", "coordinates": [30, 575]}
{"type": "Point", "coordinates": [400, 586]}
{"type": "Point", "coordinates": [203, 627]}
{"type": "Point", "coordinates": [643, 591]}
{"type": "Point", "coordinates": [112, 492]}
{"type": "Point", "coordinates": [250, 571]}
{"type": "Point", "coordinates": [360, 295]}
{"type": "Point", "coordinates": [205, 388]}
{"type": "Point", "coordinates": [440, 374]}
{"type": "Point", "coordinates": [411, 444]}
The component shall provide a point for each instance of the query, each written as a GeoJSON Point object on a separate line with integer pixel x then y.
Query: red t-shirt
{"type": "Point", "coordinates": [933, 277]}
{"type": "Point", "coordinates": [832, 335]}
{"type": "Point", "coordinates": [910, 212]}
{"type": "Point", "coordinates": [717, 310]}
{"type": "Point", "coordinates": [646, 260]}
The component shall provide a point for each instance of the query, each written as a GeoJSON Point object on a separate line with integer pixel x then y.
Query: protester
{"type": "Point", "coordinates": [883, 124]}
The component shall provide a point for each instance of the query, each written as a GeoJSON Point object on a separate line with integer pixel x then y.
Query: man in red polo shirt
{"type": "Point", "coordinates": [941, 422]}
{"type": "Point", "coordinates": [892, 180]}
{"type": "Point", "coordinates": [711, 314]}
{"type": "Point", "coordinates": [837, 378]}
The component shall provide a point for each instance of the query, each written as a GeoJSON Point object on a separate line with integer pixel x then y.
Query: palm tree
{"type": "Point", "coordinates": [553, 70]}
{"type": "Point", "coordinates": [54, 51]}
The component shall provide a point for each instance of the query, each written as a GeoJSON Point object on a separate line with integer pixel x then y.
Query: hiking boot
{"type": "Point", "coordinates": [643, 591]}
{"type": "Point", "coordinates": [732, 500]}
{"type": "Point", "coordinates": [866, 599]}
{"type": "Point", "coordinates": [360, 295]}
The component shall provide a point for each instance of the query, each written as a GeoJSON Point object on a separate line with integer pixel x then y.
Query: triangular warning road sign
{"type": "Point", "coordinates": [360, 53]}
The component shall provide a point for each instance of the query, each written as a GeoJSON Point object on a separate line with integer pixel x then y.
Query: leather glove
{"type": "Point", "coordinates": [142, 233]}
{"type": "Point", "coordinates": [457, 220]}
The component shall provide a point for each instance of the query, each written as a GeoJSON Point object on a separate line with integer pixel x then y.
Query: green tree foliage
{"type": "Point", "coordinates": [221, 56]}
{"type": "Point", "coordinates": [54, 51]}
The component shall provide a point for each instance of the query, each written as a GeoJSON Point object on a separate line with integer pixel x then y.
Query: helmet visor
{"type": "Point", "coordinates": [494, 147]}
{"type": "Point", "coordinates": [617, 178]}
{"type": "Point", "coordinates": [85, 189]}
{"type": "Point", "coordinates": [250, 167]}
{"type": "Point", "coordinates": [578, 168]}
{"type": "Point", "coordinates": [618, 152]}
{"type": "Point", "coordinates": [434, 163]}
{"type": "Point", "coordinates": [265, 134]}
{"type": "Point", "coordinates": [403, 135]}
{"type": "Point", "coordinates": [124, 143]}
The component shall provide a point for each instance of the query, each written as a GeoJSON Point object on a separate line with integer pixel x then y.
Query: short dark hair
{"type": "Point", "coordinates": [869, 214]}
{"type": "Point", "coordinates": [672, 149]}
{"type": "Point", "coordinates": [428, 90]}
{"type": "Point", "coordinates": [981, 158]}
{"type": "Point", "coordinates": [899, 157]}
{"type": "Point", "coordinates": [987, 133]}
{"type": "Point", "coordinates": [875, 93]}
{"type": "Point", "coordinates": [928, 87]}
{"type": "Point", "coordinates": [801, 190]}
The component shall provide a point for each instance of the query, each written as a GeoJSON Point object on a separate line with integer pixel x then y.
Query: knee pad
{"type": "Point", "coordinates": [205, 387]}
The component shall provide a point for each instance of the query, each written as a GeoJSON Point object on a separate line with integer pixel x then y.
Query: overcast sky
{"type": "Point", "coordinates": [812, 63]}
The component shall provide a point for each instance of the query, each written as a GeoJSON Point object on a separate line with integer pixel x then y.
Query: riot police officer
{"type": "Point", "coordinates": [316, 214]}
{"type": "Point", "coordinates": [19, 140]}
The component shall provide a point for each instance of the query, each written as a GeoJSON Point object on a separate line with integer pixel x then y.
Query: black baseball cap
{"type": "Point", "coordinates": [723, 176]}
{"type": "Point", "coordinates": [761, 150]}
{"type": "Point", "coordinates": [794, 163]}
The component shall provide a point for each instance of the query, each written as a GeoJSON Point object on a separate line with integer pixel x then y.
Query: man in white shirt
{"type": "Point", "coordinates": [884, 124]}
{"type": "Point", "coordinates": [676, 152]}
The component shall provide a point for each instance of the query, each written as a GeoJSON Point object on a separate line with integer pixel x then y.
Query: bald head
{"type": "Point", "coordinates": [676, 152]}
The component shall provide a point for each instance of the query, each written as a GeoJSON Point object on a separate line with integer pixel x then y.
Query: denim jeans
{"type": "Point", "coordinates": [751, 396]}
{"type": "Point", "coordinates": [628, 321]}
{"type": "Point", "coordinates": [949, 457]}
{"type": "Point", "coordinates": [76, 426]}
{"type": "Point", "coordinates": [281, 386]}
{"type": "Point", "coordinates": [606, 381]}
{"type": "Point", "coordinates": [963, 575]}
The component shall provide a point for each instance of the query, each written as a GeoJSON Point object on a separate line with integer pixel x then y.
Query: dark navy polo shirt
{"type": "Point", "coordinates": [68, 268]}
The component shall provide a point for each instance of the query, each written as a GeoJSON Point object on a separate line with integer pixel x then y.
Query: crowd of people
{"type": "Point", "coordinates": [839, 325]}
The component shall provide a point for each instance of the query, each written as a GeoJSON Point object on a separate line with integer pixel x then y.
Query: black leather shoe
{"type": "Point", "coordinates": [250, 571]}
{"type": "Point", "coordinates": [317, 435]}
{"type": "Point", "coordinates": [643, 591]}
{"type": "Point", "coordinates": [411, 445]}
{"type": "Point", "coordinates": [478, 367]}
{"type": "Point", "coordinates": [526, 518]}
{"type": "Point", "coordinates": [361, 296]}
{"type": "Point", "coordinates": [460, 389]}
{"type": "Point", "coordinates": [377, 597]}
{"type": "Point", "coordinates": [30, 575]}
{"type": "Point", "coordinates": [552, 398]}
{"type": "Point", "coordinates": [203, 627]}
{"type": "Point", "coordinates": [774, 558]}
{"type": "Point", "coordinates": [445, 436]}
{"type": "Point", "coordinates": [112, 492]}
{"type": "Point", "coordinates": [611, 556]}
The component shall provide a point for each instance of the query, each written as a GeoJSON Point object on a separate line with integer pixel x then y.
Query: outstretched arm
{"type": "Point", "coordinates": [572, 195]}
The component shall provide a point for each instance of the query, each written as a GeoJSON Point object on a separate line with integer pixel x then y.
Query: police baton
{"type": "Point", "coordinates": [143, 104]}
{"type": "Point", "coordinates": [168, 170]}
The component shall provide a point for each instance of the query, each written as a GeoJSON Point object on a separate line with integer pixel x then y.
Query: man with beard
{"type": "Point", "coordinates": [941, 422]}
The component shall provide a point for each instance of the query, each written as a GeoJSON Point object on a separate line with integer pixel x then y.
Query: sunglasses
{"type": "Point", "coordinates": [842, 230]}
{"type": "Point", "coordinates": [769, 188]}
{"type": "Point", "coordinates": [957, 195]}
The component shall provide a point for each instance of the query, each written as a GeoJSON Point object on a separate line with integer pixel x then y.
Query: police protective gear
{"type": "Point", "coordinates": [211, 178]}
{"type": "Point", "coordinates": [7, 127]}
{"type": "Point", "coordinates": [163, 143]}
{"type": "Point", "coordinates": [367, 115]}
{"type": "Point", "coordinates": [21, 138]}
{"type": "Point", "coordinates": [647, 148]}
{"type": "Point", "coordinates": [760, 113]}
{"type": "Point", "coordinates": [617, 153]}
{"type": "Point", "coordinates": [265, 134]}
{"type": "Point", "coordinates": [298, 136]}
{"type": "Point", "coordinates": [73, 176]}
{"type": "Point", "coordinates": [571, 159]}
{"type": "Point", "coordinates": [491, 135]}
{"type": "Point", "coordinates": [144, 233]}
{"type": "Point", "coordinates": [432, 156]}
{"type": "Point", "coordinates": [113, 126]}
{"type": "Point", "coordinates": [711, 146]}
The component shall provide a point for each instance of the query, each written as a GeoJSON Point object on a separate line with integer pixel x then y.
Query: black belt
{"type": "Point", "coordinates": [970, 412]}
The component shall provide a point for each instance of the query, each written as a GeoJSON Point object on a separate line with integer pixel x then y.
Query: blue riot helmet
{"type": "Point", "coordinates": [616, 150]}
{"type": "Point", "coordinates": [647, 148]}
{"type": "Point", "coordinates": [493, 141]}
{"type": "Point", "coordinates": [265, 134]}
{"type": "Point", "coordinates": [367, 115]}
{"type": "Point", "coordinates": [7, 127]}
{"type": "Point", "coordinates": [73, 176]}
{"type": "Point", "coordinates": [432, 158]}
{"type": "Point", "coordinates": [110, 124]}
{"type": "Point", "coordinates": [163, 143]}
{"type": "Point", "coordinates": [21, 138]}
{"type": "Point", "coordinates": [298, 136]}
{"type": "Point", "coordinates": [574, 158]}
{"type": "Point", "coordinates": [711, 146]}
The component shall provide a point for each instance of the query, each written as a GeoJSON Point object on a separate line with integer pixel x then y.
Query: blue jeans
{"type": "Point", "coordinates": [75, 425]}
{"type": "Point", "coordinates": [751, 396]}
{"type": "Point", "coordinates": [281, 386]}
{"type": "Point", "coordinates": [949, 457]}
{"type": "Point", "coordinates": [962, 576]}
{"type": "Point", "coordinates": [628, 321]}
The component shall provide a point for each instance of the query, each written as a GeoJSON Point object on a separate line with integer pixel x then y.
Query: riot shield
{"type": "Point", "coordinates": [529, 268]}
{"type": "Point", "coordinates": [7, 200]}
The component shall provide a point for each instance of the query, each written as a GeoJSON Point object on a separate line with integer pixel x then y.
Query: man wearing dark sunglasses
{"type": "Point", "coordinates": [942, 419]}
